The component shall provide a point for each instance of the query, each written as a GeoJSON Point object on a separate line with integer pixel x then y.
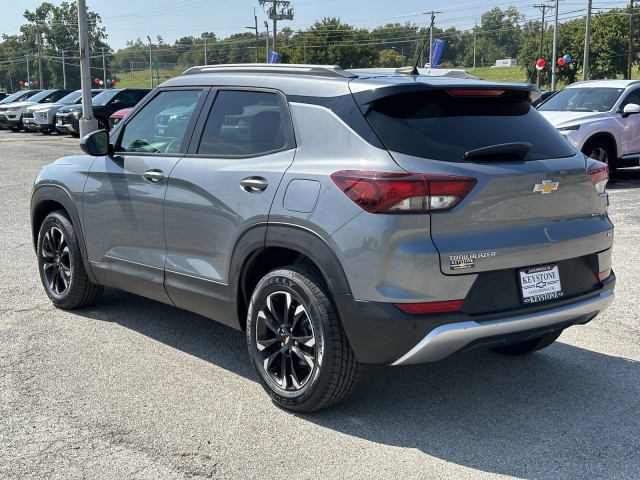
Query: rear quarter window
{"type": "Point", "coordinates": [440, 126]}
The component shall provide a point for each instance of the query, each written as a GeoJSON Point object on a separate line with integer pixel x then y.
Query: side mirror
{"type": "Point", "coordinates": [629, 109]}
{"type": "Point", "coordinates": [96, 144]}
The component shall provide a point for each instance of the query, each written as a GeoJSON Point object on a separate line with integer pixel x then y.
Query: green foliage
{"type": "Point", "coordinates": [500, 34]}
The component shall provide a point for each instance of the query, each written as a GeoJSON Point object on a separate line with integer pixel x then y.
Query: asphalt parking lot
{"type": "Point", "coordinates": [130, 388]}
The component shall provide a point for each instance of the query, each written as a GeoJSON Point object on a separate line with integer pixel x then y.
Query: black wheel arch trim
{"type": "Point", "coordinates": [56, 193]}
{"type": "Point", "coordinates": [313, 246]}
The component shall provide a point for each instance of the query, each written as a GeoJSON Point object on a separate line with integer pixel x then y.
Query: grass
{"type": "Point", "coordinates": [141, 78]}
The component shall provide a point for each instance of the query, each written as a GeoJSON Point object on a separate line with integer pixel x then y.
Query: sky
{"type": "Point", "coordinates": [172, 19]}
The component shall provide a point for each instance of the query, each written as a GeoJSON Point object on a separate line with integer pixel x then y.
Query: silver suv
{"type": "Point", "coordinates": [339, 217]}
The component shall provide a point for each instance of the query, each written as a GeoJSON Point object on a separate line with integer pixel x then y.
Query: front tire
{"type": "Point", "coordinates": [61, 266]}
{"type": "Point", "coordinates": [601, 151]}
{"type": "Point", "coordinates": [529, 346]}
{"type": "Point", "coordinates": [296, 343]}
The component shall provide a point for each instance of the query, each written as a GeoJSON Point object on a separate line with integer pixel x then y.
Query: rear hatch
{"type": "Point", "coordinates": [534, 204]}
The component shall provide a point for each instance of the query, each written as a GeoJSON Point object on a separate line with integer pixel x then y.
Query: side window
{"type": "Point", "coordinates": [161, 125]}
{"type": "Point", "coordinates": [242, 123]}
{"type": "Point", "coordinates": [633, 97]}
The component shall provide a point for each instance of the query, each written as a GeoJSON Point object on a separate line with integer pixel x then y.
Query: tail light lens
{"type": "Point", "coordinates": [599, 174]}
{"type": "Point", "coordinates": [384, 192]}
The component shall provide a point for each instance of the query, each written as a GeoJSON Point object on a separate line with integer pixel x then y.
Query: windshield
{"type": "Point", "coordinates": [441, 126]}
{"type": "Point", "coordinates": [587, 99]}
{"type": "Point", "coordinates": [104, 97]}
{"type": "Point", "coordinates": [73, 97]}
{"type": "Point", "coordinates": [13, 97]}
{"type": "Point", "coordinates": [40, 96]}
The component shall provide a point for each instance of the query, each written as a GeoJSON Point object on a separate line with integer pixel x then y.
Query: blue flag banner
{"type": "Point", "coordinates": [273, 56]}
{"type": "Point", "coordinates": [437, 48]}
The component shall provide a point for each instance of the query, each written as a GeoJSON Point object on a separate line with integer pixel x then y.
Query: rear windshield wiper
{"type": "Point", "coordinates": [499, 152]}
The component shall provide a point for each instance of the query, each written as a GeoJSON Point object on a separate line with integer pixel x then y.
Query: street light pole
{"type": "Point", "coordinates": [150, 62]}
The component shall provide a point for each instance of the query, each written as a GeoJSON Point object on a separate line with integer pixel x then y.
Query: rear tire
{"type": "Point", "coordinates": [296, 342]}
{"type": "Point", "coordinates": [529, 346]}
{"type": "Point", "coordinates": [61, 266]}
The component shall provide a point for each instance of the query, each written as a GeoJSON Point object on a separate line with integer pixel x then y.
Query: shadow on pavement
{"type": "Point", "coordinates": [564, 412]}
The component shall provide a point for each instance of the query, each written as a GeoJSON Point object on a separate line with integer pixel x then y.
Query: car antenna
{"type": "Point", "coordinates": [414, 70]}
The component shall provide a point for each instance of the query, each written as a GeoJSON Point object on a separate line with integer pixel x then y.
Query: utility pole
{"type": "Point", "coordinates": [39, 55]}
{"type": "Point", "coordinates": [28, 74]}
{"type": "Point", "coordinates": [88, 124]}
{"type": "Point", "coordinates": [630, 55]}
{"type": "Point", "coordinates": [150, 61]}
{"type": "Point", "coordinates": [255, 28]}
{"type": "Point", "coordinates": [266, 24]}
{"type": "Point", "coordinates": [205, 51]}
{"type": "Point", "coordinates": [587, 35]}
{"type": "Point", "coordinates": [555, 48]}
{"type": "Point", "coordinates": [64, 72]}
{"type": "Point", "coordinates": [433, 17]}
{"type": "Point", "coordinates": [543, 8]}
{"type": "Point", "coordinates": [280, 10]}
{"type": "Point", "coordinates": [475, 35]}
{"type": "Point", "coordinates": [104, 70]}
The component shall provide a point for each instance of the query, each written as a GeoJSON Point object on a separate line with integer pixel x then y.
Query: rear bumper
{"type": "Point", "coordinates": [448, 339]}
{"type": "Point", "coordinates": [380, 333]}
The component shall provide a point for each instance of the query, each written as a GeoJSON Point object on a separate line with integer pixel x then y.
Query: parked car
{"type": "Point", "coordinates": [3, 95]}
{"type": "Point", "coordinates": [18, 96]}
{"type": "Point", "coordinates": [543, 97]}
{"type": "Point", "coordinates": [340, 217]}
{"type": "Point", "coordinates": [11, 113]}
{"type": "Point", "coordinates": [104, 104]}
{"type": "Point", "coordinates": [600, 119]}
{"type": "Point", "coordinates": [117, 117]}
{"type": "Point", "coordinates": [43, 117]}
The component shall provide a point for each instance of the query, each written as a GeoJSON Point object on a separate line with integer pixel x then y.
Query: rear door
{"type": "Point", "coordinates": [221, 191]}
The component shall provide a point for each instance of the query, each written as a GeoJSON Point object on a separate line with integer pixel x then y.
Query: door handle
{"type": "Point", "coordinates": [154, 176]}
{"type": "Point", "coordinates": [254, 184]}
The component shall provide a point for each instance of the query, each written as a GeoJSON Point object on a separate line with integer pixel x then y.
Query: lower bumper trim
{"type": "Point", "coordinates": [450, 338]}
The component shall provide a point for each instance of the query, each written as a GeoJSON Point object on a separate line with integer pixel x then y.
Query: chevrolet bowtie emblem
{"type": "Point", "coordinates": [547, 186]}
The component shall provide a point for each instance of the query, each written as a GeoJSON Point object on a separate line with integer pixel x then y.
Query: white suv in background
{"type": "Point", "coordinates": [599, 118]}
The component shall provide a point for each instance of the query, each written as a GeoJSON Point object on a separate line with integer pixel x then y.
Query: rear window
{"type": "Point", "coordinates": [440, 126]}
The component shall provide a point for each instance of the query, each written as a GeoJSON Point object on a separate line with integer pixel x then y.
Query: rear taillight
{"type": "Point", "coordinates": [384, 192]}
{"type": "Point", "coordinates": [599, 174]}
{"type": "Point", "coordinates": [448, 306]}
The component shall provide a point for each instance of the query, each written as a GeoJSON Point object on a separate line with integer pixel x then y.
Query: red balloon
{"type": "Point", "coordinates": [97, 80]}
{"type": "Point", "coordinates": [21, 83]}
{"type": "Point", "coordinates": [36, 83]}
{"type": "Point", "coordinates": [113, 81]}
{"type": "Point", "coordinates": [540, 63]}
{"type": "Point", "coordinates": [561, 61]}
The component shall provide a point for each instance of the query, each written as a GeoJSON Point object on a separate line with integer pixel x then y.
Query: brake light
{"type": "Point", "coordinates": [385, 192]}
{"type": "Point", "coordinates": [475, 93]}
{"type": "Point", "coordinates": [599, 174]}
{"type": "Point", "coordinates": [447, 306]}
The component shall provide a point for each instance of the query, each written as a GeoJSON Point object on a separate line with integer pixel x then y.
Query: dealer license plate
{"type": "Point", "coordinates": [540, 284]}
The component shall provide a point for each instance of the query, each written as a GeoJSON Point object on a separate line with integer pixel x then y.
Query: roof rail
{"type": "Point", "coordinates": [333, 71]}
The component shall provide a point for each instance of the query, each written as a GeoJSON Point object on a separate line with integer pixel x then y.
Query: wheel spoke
{"type": "Point", "coordinates": [287, 308]}
{"type": "Point", "coordinates": [299, 313]}
{"type": "Point", "coordinates": [264, 344]}
{"type": "Point", "coordinates": [304, 356]}
{"type": "Point", "coordinates": [309, 341]}
{"type": "Point", "coordinates": [271, 358]}
{"type": "Point", "coordinates": [294, 375]}
{"type": "Point", "coordinates": [268, 321]}
{"type": "Point", "coordinates": [283, 372]}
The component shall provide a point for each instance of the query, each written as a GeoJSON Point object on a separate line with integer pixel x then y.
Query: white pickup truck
{"type": "Point", "coordinates": [600, 118]}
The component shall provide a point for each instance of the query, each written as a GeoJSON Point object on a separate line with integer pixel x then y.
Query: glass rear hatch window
{"type": "Point", "coordinates": [444, 125]}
